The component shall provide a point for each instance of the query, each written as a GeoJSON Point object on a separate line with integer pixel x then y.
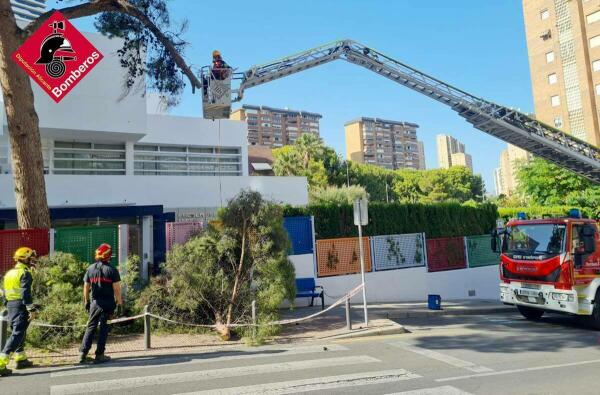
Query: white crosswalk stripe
{"type": "Point", "coordinates": [315, 384]}
{"type": "Point", "coordinates": [186, 377]}
{"type": "Point", "coordinates": [444, 390]}
{"type": "Point", "coordinates": [450, 360]}
{"type": "Point", "coordinates": [149, 363]}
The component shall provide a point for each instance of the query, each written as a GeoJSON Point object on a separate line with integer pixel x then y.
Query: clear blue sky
{"type": "Point", "coordinates": [478, 46]}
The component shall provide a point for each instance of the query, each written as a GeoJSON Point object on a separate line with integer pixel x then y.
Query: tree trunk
{"type": "Point", "coordinates": [23, 127]}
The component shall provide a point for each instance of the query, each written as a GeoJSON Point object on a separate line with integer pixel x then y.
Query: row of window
{"type": "Point", "coordinates": [590, 18]}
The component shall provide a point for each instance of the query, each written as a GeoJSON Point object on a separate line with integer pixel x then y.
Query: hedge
{"type": "Point", "coordinates": [436, 220]}
{"type": "Point", "coordinates": [506, 213]}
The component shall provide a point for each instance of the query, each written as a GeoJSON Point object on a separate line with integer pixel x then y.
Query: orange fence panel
{"type": "Point", "coordinates": [341, 256]}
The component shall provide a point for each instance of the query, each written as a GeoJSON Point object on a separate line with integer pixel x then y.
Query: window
{"type": "Point", "coordinates": [544, 14]}
{"type": "Point", "coordinates": [89, 158]}
{"type": "Point", "coordinates": [555, 100]}
{"type": "Point", "coordinates": [593, 17]}
{"type": "Point", "coordinates": [550, 57]}
{"type": "Point", "coordinates": [558, 122]}
{"type": "Point", "coordinates": [552, 79]}
{"type": "Point", "coordinates": [594, 41]}
{"type": "Point", "coordinates": [596, 65]}
{"type": "Point", "coordinates": [182, 160]}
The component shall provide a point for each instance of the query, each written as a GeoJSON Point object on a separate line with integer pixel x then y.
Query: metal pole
{"type": "Point", "coordinates": [147, 328]}
{"type": "Point", "coordinates": [362, 273]}
{"type": "Point", "coordinates": [348, 319]}
{"type": "Point", "coordinates": [253, 319]}
{"type": "Point", "coordinates": [347, 174]}
{"type": "Point", "coordinates": [3, 328]}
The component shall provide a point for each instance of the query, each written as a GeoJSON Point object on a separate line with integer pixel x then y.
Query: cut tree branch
{"type": "Point", "coordinates": [123, 6]}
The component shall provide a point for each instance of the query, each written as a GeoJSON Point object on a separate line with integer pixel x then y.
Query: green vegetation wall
{"type": "Point", "coordinates": [436, 220]}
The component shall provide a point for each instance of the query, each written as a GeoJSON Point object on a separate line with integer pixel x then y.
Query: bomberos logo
{"type": "Point", "coordinates": [57, 56]}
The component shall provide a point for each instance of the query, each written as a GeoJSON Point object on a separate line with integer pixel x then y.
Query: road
{"type": "Point", "coordinates": [495, 354]}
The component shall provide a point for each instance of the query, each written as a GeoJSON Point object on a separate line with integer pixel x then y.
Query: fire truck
{"type": "Point", "coordinates": [550, 264]}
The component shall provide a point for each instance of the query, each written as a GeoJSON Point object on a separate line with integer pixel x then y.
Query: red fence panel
{"type": "Point", "coordinates": [181, 232]}
{"type": "Point", "coordinates": [10, 240]}
{"type": "Point", "coordinates": [446, 254]}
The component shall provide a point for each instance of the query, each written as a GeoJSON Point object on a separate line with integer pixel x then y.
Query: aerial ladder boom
{"type": "Point", "coordinates": [502, 122]}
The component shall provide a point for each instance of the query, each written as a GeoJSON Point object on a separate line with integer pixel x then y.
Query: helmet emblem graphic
{"type": "Point", "coordinates": [53, 50]}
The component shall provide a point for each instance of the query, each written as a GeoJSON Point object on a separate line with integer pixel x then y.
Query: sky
{"type": "Point", "coordinates": [477, 46]}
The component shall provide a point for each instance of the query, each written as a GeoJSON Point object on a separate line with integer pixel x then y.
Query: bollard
{"type": "Point", "coordinates": [147, 328]}
{"type": "Point", "coordinates": [348, 319]}
{"type": "Point", "coordinates": [3, 328]}
{"type": "Point", "coordinates": [254, 319]}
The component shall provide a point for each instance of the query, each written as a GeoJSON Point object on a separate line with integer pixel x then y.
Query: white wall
{"type": "Point", "coordinates": [415, 284]}
{"type": "Point", "coordinates": [170, 191]}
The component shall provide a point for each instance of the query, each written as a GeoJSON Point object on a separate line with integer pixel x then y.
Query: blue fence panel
{"type": "Point", "coordinates": [398, 251]}
{"type": "Point", "coordinates": [300, 233]}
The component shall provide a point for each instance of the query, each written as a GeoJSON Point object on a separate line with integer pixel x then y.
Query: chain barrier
{"type": "Point", "coordinates": [129, 342]}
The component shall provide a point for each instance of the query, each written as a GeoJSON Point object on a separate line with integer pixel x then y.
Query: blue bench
{"type": "Point", "coordinates": [306, 288]}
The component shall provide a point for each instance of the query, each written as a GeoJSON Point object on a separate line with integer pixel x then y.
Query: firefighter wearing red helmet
{"type": "Point", "coordinates": [101, 295]}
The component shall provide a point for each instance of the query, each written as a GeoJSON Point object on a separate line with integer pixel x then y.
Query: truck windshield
{"type": "Point", "coordinates": [546, 239]}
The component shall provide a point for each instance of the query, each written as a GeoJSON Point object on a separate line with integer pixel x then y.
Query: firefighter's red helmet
{"type": "Point", "coordinates": [103, 253]}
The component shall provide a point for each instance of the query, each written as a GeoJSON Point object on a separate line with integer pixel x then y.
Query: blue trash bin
{"type": "Point", "coordinates": [434, 302]}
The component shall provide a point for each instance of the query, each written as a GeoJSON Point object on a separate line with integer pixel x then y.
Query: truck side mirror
{"type": "Point", "coordinates": [589, 239]}
{"type": "Point", "coordinates": [494, 240]}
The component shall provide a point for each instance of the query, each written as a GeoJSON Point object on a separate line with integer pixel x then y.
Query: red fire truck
{"type": "Point", "coordinates": [550, 265]}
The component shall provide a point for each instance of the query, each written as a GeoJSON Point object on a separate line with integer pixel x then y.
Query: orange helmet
{"type": "Point", "coordinates": [103, 253]}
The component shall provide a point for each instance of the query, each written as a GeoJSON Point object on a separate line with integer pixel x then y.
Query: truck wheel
{"type": "Point", "coordinates": [530, 313]}
{"type": "Point", "coordinates": [594, 319]}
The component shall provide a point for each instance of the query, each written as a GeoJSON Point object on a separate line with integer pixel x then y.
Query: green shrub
{"type": "Point", "coordinates": [436, 220]}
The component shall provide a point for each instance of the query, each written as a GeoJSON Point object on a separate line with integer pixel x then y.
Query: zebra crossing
{"type": "Point", "coordinates": [272, 370]}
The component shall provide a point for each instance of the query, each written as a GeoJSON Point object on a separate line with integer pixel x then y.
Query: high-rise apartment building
{"type": "Point", "coordinates": [28, 10]}
{"type": "Point", "coordinates": [422, 165]}
{"type": "Point", "coordinates": [510, 160]}
{"type": "Point", "coordinates": [498, 182]}
{"type": "Point", "coordinates": [384, 143]}
{"type": "Point", "coordinates": [275, 127]}
{"type": "Point", "coordinates": [451, 152]}
{"type": "Point", "coordinates": [563, 40]}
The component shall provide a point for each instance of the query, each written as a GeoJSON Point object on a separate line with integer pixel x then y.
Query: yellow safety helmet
{"type": "Point", "coordinates": [216, 53]}
{"type": "Point", "coordinates": [24, 254]}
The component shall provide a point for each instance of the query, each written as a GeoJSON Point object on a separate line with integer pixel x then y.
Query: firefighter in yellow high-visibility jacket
{"type": "Point", "coordinates": [19, 302]}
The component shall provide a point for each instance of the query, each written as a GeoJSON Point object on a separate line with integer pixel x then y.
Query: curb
{"type": "Point", "coordinates": [393, 329]}
{"type": "Point", "coordinates": [452, 312]}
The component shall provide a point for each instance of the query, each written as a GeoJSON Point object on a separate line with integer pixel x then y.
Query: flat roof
{"type": "Point", "coordinates": [281, 110]}
{"type": "Point", "coordinates": [379, 120]}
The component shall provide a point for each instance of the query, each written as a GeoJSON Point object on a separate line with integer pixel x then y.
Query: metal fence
{"type": "Point", "coordinates": [341, 256]}
{"type": "Point", "coordinates": [398, 251]}
{"type": "Point", "coordinates": [181, 232]}
{"type": "Point", "coordinates": [10, 240]}
{"type": "Point", "coordinates": [83, 241]}
{"type": "Point", "coordinates": [300, 233]}
{"type": "Point", "coordinates": [446, 254]}
{"type": "Point", "coordinates": [479, 251]}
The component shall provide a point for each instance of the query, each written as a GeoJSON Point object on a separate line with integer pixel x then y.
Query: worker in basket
{"type": "Point", "coordinates": [220, 69]}
{"type": "Point", "coordinates": [104, 283]}
{"type": "Point", "coordinates": [19, 302]}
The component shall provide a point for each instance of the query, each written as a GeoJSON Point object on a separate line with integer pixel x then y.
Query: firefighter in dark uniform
{"type": "Point", "coordinates": [19, 302]}
{"type": "Point", "coordinates": [104, 282]}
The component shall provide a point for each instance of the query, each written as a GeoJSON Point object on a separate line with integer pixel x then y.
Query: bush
{"type": "Point", "coordinates": [338, 195]}
{"type": "Point", "coordinates": [436, 220]}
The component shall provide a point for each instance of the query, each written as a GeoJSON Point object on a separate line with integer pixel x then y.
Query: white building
{"type": "Point", "coordinates": [100, 149]}
{"type": "Point", "coordinates": [28, 10]}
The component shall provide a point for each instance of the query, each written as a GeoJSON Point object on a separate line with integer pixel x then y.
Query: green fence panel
{"type": "Point", "coordinates": [83, 241]}
{"type": "Point", "coordinates": [480, 252]}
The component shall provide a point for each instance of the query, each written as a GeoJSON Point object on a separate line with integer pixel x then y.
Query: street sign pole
{"type": "Point", "coordinates": [361, 218]}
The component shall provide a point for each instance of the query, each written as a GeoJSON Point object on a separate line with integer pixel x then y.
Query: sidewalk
{"type": "Point", "coordinates": [450, 307]}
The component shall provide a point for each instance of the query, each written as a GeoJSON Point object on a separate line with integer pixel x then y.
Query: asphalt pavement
{"type": "Point", "coordinates": [474, 354]}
